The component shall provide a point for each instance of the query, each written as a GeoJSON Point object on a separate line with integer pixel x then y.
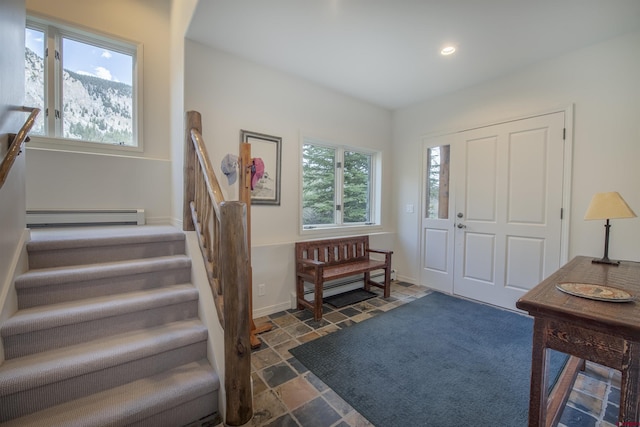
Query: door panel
{"type": "Point", "coordinates": [436, 242]}
{"type": "Point", "coordinates": [527, 177]}
{"type": "Point", "coordinates": [480, 180]}
{"type": "Point", "coordinates": [479, 257]}
{"type": "Point", "coordinates": [524, 262]}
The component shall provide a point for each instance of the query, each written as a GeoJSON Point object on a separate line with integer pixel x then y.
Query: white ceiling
{"type": "Point", "coordinates": [387, 51]}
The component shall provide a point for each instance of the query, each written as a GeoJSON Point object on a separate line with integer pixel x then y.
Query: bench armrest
{"type": "Point", "coordinates": [316, 266]}
{"type": "Point", "coordinates": [311, 262]}
{"type": "Point", "coordinates": [380, 251]}
{"type": "Point", "coordinates": [387, 255]}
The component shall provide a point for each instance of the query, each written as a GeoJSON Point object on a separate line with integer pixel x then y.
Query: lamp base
{"type": "Point", "coordinates": [605, 261]}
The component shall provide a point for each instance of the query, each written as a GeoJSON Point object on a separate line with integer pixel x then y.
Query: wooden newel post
{"type": "Point", "coordinates": [192, 120]}
{"type": "Point", "coordinates": [234, 272]}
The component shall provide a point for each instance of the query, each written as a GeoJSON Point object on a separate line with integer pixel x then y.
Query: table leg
{"type": "Point", "coordinates": [539, 359]}
{"type": "Point", "coordinates": [630, 387]}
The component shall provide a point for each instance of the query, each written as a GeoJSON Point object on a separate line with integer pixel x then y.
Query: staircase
{"type": "Point", "coordinates": [107, 333]}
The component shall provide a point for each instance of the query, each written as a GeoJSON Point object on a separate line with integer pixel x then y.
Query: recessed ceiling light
{"type": "Point", "coordinates": [448, 50]}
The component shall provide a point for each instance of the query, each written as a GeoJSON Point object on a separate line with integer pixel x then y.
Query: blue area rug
{"type": "Point", "coordinates": [438, 361]}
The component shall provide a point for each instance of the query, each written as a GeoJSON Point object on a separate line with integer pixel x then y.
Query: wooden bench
{"type": "Point", "coordinates": [319, 261]}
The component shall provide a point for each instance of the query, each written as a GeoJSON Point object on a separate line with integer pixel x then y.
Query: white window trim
{"type": "Point", "coordinates": [111, 42]}
{"type": "Point", "coordinates": [376, 181]}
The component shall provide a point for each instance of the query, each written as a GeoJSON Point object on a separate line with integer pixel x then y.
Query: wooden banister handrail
{"type": "Point", "coordinates": [221, 228]}
{"type": "Point", "coordinates": [15, 146]}
{"type": "Point", "coordinates": [213, 186]}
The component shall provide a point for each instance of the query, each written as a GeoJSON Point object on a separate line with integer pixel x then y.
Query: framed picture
{"type": "Point", "coordinates": [265, 188]}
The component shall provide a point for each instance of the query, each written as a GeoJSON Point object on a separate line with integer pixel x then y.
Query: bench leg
{"type": "Point", "coordinates": [387, 282]}
{"type": "Point", "coordinates": [299, 292]}
{"type": "Point", "coordinates": [317, 303]}
{"type": "Point", "coordinates": [367, 281]}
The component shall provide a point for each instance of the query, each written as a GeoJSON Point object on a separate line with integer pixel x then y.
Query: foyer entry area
{"type": "Point", "coordinates": [286, 393]}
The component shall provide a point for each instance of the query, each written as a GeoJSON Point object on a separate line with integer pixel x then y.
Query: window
{"type": "Point", "coordinates": [85, 84]}
{"type": "Point", "coordinates": [337, 186]}
{"type": "Point", "coordinates": [437, 196]}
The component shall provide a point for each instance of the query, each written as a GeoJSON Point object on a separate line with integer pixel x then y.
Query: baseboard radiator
{"type": "Point", "coordinates": [331, 288]}
{"type": "Point", "coordinates": [84, 217]}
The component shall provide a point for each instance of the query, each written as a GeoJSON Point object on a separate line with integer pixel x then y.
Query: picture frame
{"type": "Point", "coordinates": [269, 149]}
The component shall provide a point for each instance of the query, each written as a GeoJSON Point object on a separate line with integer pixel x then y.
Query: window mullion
{"type": "Point", "coordinates": [58, 79]}
{"type": "Point", "coordinates": [339, 185]}
{"type": "Point", "coordinates": [50, 80]}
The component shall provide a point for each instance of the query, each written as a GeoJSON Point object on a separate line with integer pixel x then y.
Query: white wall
{"type": "Point", "coordinates": [66, 179]}
{"type": "Point", "coordinates": [234, 94]}
{"type": "Point", "coordinates": [181, 14]}
{"type": "Point", "coordinates": [601, 82]}
{"type": "Point", "coordinates": [12, 198]}
{"type": "Point", "coordinates": [12, 194]}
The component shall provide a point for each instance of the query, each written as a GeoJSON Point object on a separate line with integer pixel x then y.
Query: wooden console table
{"type": "Point", "coordinates": [607, 333]}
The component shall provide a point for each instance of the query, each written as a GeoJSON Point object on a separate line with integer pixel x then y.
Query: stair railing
{"type": "Point", "coordinates": [15, 145]}
{"type": "Point", "coordinates": [221, 227]}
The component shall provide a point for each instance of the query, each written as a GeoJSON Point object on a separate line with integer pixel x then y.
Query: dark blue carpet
{"type": "Point", "coordinates": [438, 361]}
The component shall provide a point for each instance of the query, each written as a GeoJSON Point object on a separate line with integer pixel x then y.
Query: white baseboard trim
{"type": "Point", "coordinates": [265, 311]}
{"type": "Point", "coordinates": [407, 279]}
{"type": "Point", "coordinates": [177, 223]}
{"type": "Point", "coordinates": [160, 220]}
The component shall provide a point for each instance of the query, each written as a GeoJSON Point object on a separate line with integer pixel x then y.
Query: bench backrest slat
{"type": "Point", "coordinates": [334, 251]}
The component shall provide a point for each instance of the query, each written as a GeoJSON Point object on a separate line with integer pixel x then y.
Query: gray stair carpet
{"type": "Point", "coordinates": [107, 333]}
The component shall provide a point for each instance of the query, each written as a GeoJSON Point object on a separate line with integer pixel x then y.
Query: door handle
{"type": "Point", "coordinates": [460, 225]}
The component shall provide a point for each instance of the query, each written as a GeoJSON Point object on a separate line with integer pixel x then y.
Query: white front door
{"type": "Point", "coordinates": [505, 219]}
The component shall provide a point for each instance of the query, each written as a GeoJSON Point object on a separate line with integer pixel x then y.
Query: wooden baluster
{"type": "Point", "coordinates": [192, 120]}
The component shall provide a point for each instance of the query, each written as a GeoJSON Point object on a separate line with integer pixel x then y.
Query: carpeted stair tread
{"type": "Point", "coordinates": [101, 236]}
{"type": "Point", "coordinates": [59, 275]}
{"type": "Point", "coordinates": [57, 365]}
{"type": "Point", "coordinates": [131, 402]}
{"type": "Point", "coordinates": [56, 248]}
{"type": "Point", "coordinates": [61, 314]}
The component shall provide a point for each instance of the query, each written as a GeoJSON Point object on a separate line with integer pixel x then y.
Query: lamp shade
{"type": "Point", "coordinates": [608, 206]}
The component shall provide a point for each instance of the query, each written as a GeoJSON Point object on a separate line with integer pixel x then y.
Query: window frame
{"type": "Point", "coordinates": [375, 185]}
{"type": "Point", "coordinates": [54, 31]}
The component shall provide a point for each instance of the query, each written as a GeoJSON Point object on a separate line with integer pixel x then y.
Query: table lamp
{"type": "Point", "coordinates": [608, 206]}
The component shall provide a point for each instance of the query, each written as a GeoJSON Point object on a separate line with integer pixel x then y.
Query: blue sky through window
{"type": "Point", "coordinates": [34, 40]}
{"type": "Point", "coordinates": [83, 58]}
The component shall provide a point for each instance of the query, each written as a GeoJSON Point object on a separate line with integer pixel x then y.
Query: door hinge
{"type": "Point", "coordinates": [564, 134]}
{"type": "Point", "coordinates": [338, 207]}
{"type": "Point", "coordinates": [561, 213]}
{"type": "Point", "coordinates": [338, 165]}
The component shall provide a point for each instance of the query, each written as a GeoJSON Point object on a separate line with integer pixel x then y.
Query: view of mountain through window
{"type": "Point", "coordinates": [93, 96]}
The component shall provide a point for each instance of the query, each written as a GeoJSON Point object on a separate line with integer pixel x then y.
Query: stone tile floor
{"type": "Point", "coordinates": [287, 394]}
